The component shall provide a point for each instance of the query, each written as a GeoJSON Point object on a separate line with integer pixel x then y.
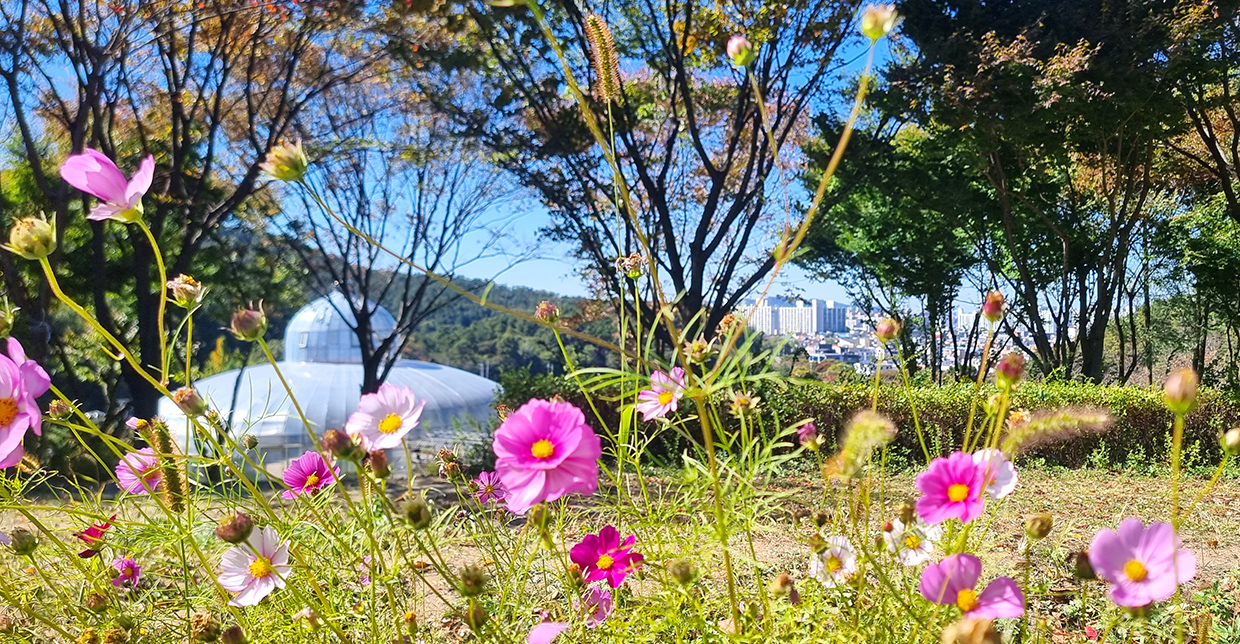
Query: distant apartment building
{"type": "Point", "coordinates": [780, 317]}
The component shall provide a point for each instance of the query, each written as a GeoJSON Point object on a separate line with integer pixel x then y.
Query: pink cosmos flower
{"type": "Point", "coordinates": [308, 473]}
{"type": "Point", "coordinates": [543, 451]}
{"type": "Point", "coordinates": [596, 605]}
{"type": "Point", "coordinates": [364, 569]}
{"type": "Point", "coordinates": [254, 569]}
{"type": "Point", "coordinates": [93, 537]}
{"type": "Point", "coordinates": [128, 572]}
{"type": "Point", "coordinates": [1143, 565]}
{"type": "Point", "coordinates": [951, 489]}
{"type": "Point", "coordinates": [603, 556]}
{"type": "Point", "coordinates": [490, 487]}
{"type": "Point", "coordinates": [663, 395]}
{"type": "Point", "coordinates": [1000, 473]}
{"type": "Point", "coordinates": [952, 581]}
{"type": "Point", "coordinates": [545, 632]}
{"type": "Point", "coordinates": [95, 174]}
{"type": "Point", "coordinates": [138, 472]}
{"type": "Point", "coordinates": [383, 418]}
{"type": "Point", "coordinates": [807, 433]}
{"type": "Point", "coordinates": [22, 381]}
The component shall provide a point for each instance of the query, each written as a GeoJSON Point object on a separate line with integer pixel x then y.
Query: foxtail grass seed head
{"type": "Point", "coordinates": [249, 441]}
{"type": "Point", "coordinates": [249, 325]}
{"type": "Point", "coordinates": [343, 446]}
{"type": "Point", "coordinates": [286, 162]}
{"type": "Point", "coordinates": [1056, 426]}
{"type": "Point", "coordinates": [1010, 370]}
{"type": "Point", "coordinates": [379, 465]}
{"type": "Point", "coordinates": [234, 635]}
{"type": "Point", "coordinates": [887, 330]}
{"type": "Point", "coordinates": [992, 307]}
{"type": "Point", "coordinates": [204, 627]}
{"type": "Point", "coordinates": [185, 291]}
{"type": "Point", "coordinates": [417, 513]}
{"type": "Point", "coordinates": [547, 312]}
{"type": "Point", "coordinates": [235, 528]}
{"type": "Point", "coordinates": [59, 410]}
{"type": "Point", "coordinates": [23, 542]}
{"type": "Point", "coordinates": [606, 63]}
{"type": "Point", "coordinates": [190, 402]}
{"type": "Point", "coordinates": [1038, 526]}
{"type": "Point", "coordinates": [1180, 390]}
{"type": "Point", "coordinates": [877, 20]}
{"type": "Point", "coordinates": [865, 433]}
{"type": "Point", "coordinates": [684, 572]}
{"type": "Point", "coordinates": [741, 52]}
{"type": "Point", "coordinates": [32, 238]}
{"type": "Point", "coordinates": [744, 403]}
{"type": "Point", "coordinates": [1081, 568]}
{"type": "Point", "coordinates": [473, 580]}
{"type": "Point", "coordinates": [971, 631]}
{"type": "Point", "coordinates": [1231, 441]}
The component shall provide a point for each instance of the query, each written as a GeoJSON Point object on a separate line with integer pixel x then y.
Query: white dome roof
{"type": "Point", "coordinates": [322, 331]}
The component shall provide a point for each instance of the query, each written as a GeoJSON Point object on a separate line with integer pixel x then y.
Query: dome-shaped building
{"type": "Point", "coordinates": [323, 366]}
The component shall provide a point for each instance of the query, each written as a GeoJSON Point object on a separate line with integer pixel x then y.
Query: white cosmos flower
{"type": "Point", "coordinates": [836, 564]}
{"type": "Point", "coordinates": [913, 544]}
{"type": "Point", "coordinates": [1000, 473]}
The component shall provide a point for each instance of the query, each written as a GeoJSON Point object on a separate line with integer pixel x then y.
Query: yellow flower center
{"type": "Point", "coordinates": [665, 397]}
{"type": "Point", "coordinates": [543, 449]}
{"type": "Point", "coordinates": [958, 492]}
{"type": "Point", "coordinates": [390, 423]}
{"type": "Point", "coordinates": [127, 572]}
{"type": "Point", "coordinates": [834, 563]}
{"type": "Point", "coordinates": [8, 410]}
{"type": "Point", "coordinates": [311, 480]}
{"type": "Point", "coordinates": [261, 567]}
{"type": "Point", "coordinates": [966, 599]}
{"type": "Point", "coordinates": [605, 562]}
{"type": "Point", "coordinates": [912, 541]}
{"type": "Point", "coordinates": [490, 489]}
{"type": "Point", "coordinates": [1135, 570]}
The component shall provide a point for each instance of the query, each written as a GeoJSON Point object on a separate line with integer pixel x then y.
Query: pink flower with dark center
{"type": "Point", "coordinates": [543, 451]}
{"type": "Point", "coordinates": [95, 174]}
{"type": "Point", "coordinates": [256, 568]}
{"type": "Point", "coordinates": [953, 581]}
{"type": "Point", "coordinates": [596, 605]}
{"type": "Point", "coordinates": [307, 474]}
{"type": "Point", "coordinates": [951, 489]}
{"type": "Point", "coordinates": [93, 537]}
{"type": "Point", "coordinates": [545, 632]}
{"type": "Point", "coordinates": [490, 487]}
{"type": "Point", "coordinates": [663, 395]}
{"type": "Point", "coordinates": [1142, 565]}
{"type": "Point", "coordinates": [603, 556]}
{"type": "Point", "coordinates": [128, 572]}
{"type": "Point", "coordinates": [22, 381]}
{"type": "Point", "coordinates": [383, 418]}
{"type": "Point", "coordinates": [138, 472]}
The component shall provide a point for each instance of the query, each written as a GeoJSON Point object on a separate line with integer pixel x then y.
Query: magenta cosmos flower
{"type": "Point", "coordinates": [545, 632]}
{"type": "Point", "coordinates": [951, 488]}
{"type": "Point", "coordinates": [138, 472]}
{"type": "Point", "coordinates": [127, 573]}
{"type": "Point", "coordinates": [490, 487]}
{"type": "Point", "coordinates": [596, 605]}
{"type": "Point", "coordinates": [663, 395]}
{"type": "Point", "coordinates": [603, 557]}
{"type": "Point", "coordinates": [383, 418]}
{"type": "Point", "coordinates": [1143, 565]}
{"type": "Point", "coordinates": [95, 174]}
{"type": "Point", "coordinates": [22, 381]}
{"type": "Point", "coordinates": [952, 581]}
{"type": "Point", "coordinates": [308, 473]}
{"type": "Point", "coordinates": [543, 451]}
{"type": "Point", "coordinates": [255, 568]}
{"type": "Point", "coordinates": [93, 537]}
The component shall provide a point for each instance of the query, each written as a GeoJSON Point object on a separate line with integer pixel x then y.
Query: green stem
{"type": "Point", "coordinates": [912, 404]}
{"type": "Point", "coordinates": [163, 300]}
{"type": "Point", "coordinates": [977, 384]}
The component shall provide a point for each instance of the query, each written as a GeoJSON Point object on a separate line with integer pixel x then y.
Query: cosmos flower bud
{"type": "Point", "coordinates": [699, 350]}
{"type": "Point", "coordinates": [1180, 390]}
{"type": "Point", "coordinates": [88, 636]}
{"type": "Point", "coordinates": [547, 312]}
{"type": "Point", "coordinates": [476, 615]}
{"type": "Point", "coordinates": [780, 585]}
{"type": "Point", "coordinates": [887, 330]}
{"type": "Point", "coordinates": [741, 52]}
{"type": "Point", "coordinates": [684, 571]}
{"type": "Point", "coordinates": [417, 513]}
{"type": "Point", "coordinates": [96, 603]}
{"type": "Point", "coordinates": [818, 544]}
{"type": "Point", "coordinates": [877, 20]}
{"type": "Point", "coordinates": [821, 519]}
{"type": "Point", "coordinates": [190, 402]}
{"type": "Point", "coordinates": [410, 622]}
{"type": "Point", "coordinates": [235, 528]}
{"type": "Point", "coordinates": [204, 627]}
{"type": "Point", "coordinates": [1037, 526]}
{"type": "Point", "coordinates": [234, 635]}
{"type": "Point", "coordinates": [1081, 568]}
{"type": "Point", "coordinates": [908, 511]}
{"type": "Point", "coordinates": [249, 441]}
{"type": "Point", "coordinates": [59, 409]}
{"type": "Point", "coordinates": [32, 238]}
{"type": "Point", "coordinates": [23, 542]}
{"type": "Point", "coordinates": [378, 462]}
{"type": "Point", "coordinates": [473, 580]}
{"type": "Point", "coordinates": [308, 619]}
{"type": "Point", "coordinates": [6, 321]}
{"type": "Point", "coordinates": [249, 324]}
{"type": "Point", "coordinates": [1231, 441]}
{"type": "Point", "coordinates": [728, 324]}
{"type": "Point", "coordinates": [286, 162]}
{"type": "Point", "coordinates": [186, 291]}
{"type": "Point", "coordinates": [540, 516]}
{"type": "Point", "coordinates": [1010, 370]}
{"type": "Point", "coordinates": [343, 446]}
{"type": "Point", "coordinates": [992, 307]}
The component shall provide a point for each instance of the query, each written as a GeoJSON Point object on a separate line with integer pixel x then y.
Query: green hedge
{"type": "Point", "coordinates": [1139, 435]}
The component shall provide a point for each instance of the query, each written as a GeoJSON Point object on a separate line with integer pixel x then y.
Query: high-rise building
{"type": "Point", "coordinates": [780, 317]}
